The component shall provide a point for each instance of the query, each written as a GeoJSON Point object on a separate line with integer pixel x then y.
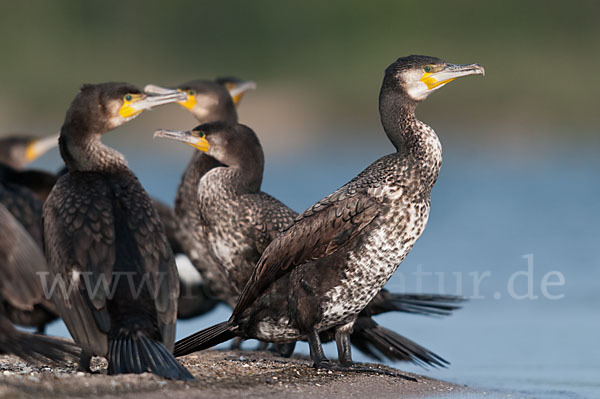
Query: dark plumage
{"type": "Point", "coordinates": [22, 299]}
{"type": "Point", "coordinates": [324, 269]}
{"type": "Point", "coordinates": [194, 294]}
{"type": "Point", "coordinates": [105, 240]}
{"type": "Point", "coordinates": [35, 348]}
{"type": "Point", "coordinates": [208, 101]}
{"type": "Point", "coordinates": [22, 264]}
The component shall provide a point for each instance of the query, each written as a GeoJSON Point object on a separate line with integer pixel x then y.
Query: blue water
{"type": "Point", "coordinates": [509, 222]}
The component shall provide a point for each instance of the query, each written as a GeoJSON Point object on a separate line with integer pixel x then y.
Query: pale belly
{"type": "Point", "coordinates": [371, 265]}
{"type": "Point", "coordinates": [279, 330]}
{"type": "Point", "coordinates": [368, 270]}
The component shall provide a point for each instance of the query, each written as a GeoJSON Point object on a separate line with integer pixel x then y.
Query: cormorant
{"type": "Point", "coordinates": [238, 221]}
{"type": "Point", "coordinates": [22, 299]}
{"type": "Point", "coordinates": [35, 348]}
{"type": "Point", "coordinates": [324, 269]}
{"type": "Point", "coordinates": [104, 239]}
{"type": "Point", "coordinates": [208, 101]}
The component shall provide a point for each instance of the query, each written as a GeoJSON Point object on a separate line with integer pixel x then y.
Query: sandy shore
{"type": "Point", "coordinates": [218, 375]}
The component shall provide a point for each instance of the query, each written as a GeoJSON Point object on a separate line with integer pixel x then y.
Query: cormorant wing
{"type": "Point", "coordinates": [144, 222]}
{"type": "Point", "coordinates": [21, 262]}
{"type": "Point", "coordinates": [275, 217]}
{"type": "Point", "coordinates": [319, 231]}
{"type": "Point", "coordinates": [80, 248]}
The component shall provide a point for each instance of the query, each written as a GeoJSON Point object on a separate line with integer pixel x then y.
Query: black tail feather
{"type": "Point", "coordinates": [134, 353]}
{"type": "Point", "coordinates": [423, 304]}
{"type": "Point", "coordinates": [205, 339]}
{"type": "Point", "coordinates": [377, 342]}
{"type": "Point", "coordinates": [40, 349]}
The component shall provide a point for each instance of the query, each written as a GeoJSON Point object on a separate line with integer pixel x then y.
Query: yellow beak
{"type": "Point", "coordinates": [434, 80]}
{"type": "Point", "coordinates": [39, 147]}
{"type": "Point", "coordinates": [186, 136]}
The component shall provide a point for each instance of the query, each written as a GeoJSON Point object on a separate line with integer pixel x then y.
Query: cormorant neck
{"type": "Point", "coordinates": [225, 114]}
{"type": "Point", "coordinates": [411, 137]}
{"type": "Point", "coordinates": [240, 179]}
{"type": "Point", "coordinates": [84, 152]}
{"type": "Point", "coordinates": [185, 199]}
{"type": "Point", "coordinates": [398, 118]}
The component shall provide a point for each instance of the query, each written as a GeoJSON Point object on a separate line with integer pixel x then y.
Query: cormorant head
{"type": "Point", "coordinates": [210, 101]}
{"type": "Point", "coordinates": [19, 150]}
{"type": "Point", "coordinates": [417, 76]}
{"type": "Point", "coordinates": [232, 144]}
{"type": "Point", "coordinates": [99, 108]}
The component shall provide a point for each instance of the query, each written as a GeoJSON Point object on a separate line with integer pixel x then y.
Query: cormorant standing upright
{"type": "Point", "coordinates": [325, 268]}
{"type": "Point", "coordinates": [208, 101]}
{"type": "Point", "coordinates": [104, 239]}
{"type": "Point", "coordinates": [238, 221]}
{"type": "Point", "coordinates": [22, 262]}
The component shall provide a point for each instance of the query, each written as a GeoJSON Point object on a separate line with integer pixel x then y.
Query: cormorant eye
{"type": "Point", "coordinates": [128, 97]}
{"type": "Point", "coordinates": [192, 93]}
{"type": "Point", "coordinates": [427, 69]}
{"type": "Point", "coordinates": [201, 134]}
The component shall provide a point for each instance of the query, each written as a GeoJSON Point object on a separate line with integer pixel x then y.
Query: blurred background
{"type": "Point", "coordinates": [520, 172]}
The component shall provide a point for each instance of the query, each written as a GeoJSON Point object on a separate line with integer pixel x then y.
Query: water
{"type": "Point", "coordinates": [499, 220]}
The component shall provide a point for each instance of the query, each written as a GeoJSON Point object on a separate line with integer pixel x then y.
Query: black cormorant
{"type": "Point", "coordinates": [322, 271]}
{"type": "Point", "coordinates": [104, 239]}
{"type": "Point", "coordinates": [238, 221]}
{"type": "Point", "coordinates": [22, 299]}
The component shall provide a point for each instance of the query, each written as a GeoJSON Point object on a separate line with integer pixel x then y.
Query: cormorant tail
{"type": "Point", "coordinates": [205, 339]}
{"type": "Point", "coordinates": [378, 342]}
{"type": "Point", "coordinates": [135, 353]}
{"type": "Point", "coordinates": [423, 304]}
{"type": "Point", "coordinates": [39, 349]}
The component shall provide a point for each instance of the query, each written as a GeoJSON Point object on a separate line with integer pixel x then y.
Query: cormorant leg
{"type": "Point", "coordinates": [342, 340]}
{"type": "Point", "coordinates": [84, 362]}
{"type": "Point", "coordinates": [316, 351]}
{"type": "Point", "coordinates": [236, 344]}
{"type": "Point", "coordinates": [262, 346]}
{"type": "Point", "coordinates": [41, 329]}
{"type": "Point", "coordinates": [284, 350]}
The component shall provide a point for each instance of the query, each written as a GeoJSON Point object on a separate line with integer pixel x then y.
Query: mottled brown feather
{"type": "Point", "coordinates": [318, 232]}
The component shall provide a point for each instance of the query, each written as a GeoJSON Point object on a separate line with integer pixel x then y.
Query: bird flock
{"type": "Point", "coordinates": [90, 246]}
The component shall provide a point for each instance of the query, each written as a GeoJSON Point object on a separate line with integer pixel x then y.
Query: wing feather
{"type": "Point", "coordinates": [79, 238]}
{"type": "Point", "coordinates": [319, 231]}
{"type": "Point", "coordinates": [21, 261]}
